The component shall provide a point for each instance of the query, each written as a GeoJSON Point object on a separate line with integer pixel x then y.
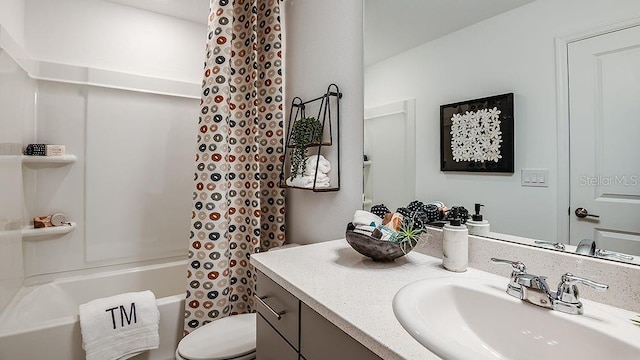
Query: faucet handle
{"type": "Point", "coordinates": [517, 265]}
{"type": "Point", "coordinates": [515, 284]}
{"type": "Point", "coordinates": [568, 294]}
{"type": "Point", "coordinates": [569, 279]}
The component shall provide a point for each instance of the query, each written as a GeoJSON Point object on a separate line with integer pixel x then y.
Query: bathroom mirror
{"type": "Point", "coordinates": [420, 55]}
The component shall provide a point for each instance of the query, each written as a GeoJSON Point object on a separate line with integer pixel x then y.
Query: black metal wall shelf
{"type": "Point", "coordinates": [328, 113]}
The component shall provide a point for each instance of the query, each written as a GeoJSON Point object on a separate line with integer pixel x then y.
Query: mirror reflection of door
{"type": "Point", "coordinates": [389, 144]}
{"type": "Point", "coordinates": [604, 125]}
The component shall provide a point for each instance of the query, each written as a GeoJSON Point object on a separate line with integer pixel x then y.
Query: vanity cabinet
{"type": "Point", "coordinates": [278, 317]}
{"type": "Point", "coordinates": [270, 345]}
{"type": "Point", "coordinates": [300, 332]}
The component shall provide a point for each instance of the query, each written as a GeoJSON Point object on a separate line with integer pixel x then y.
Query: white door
{"type": "Point", "coordinates": [389, 143]}
{"type": "Point", "coordinates": [604, 122]}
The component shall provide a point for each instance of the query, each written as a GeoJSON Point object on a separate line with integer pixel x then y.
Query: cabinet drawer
{"type": "Point", "coordinates": [270, 345]}
{"type": "Point", "coordinates": [276, 300]}
{"type": "Point", "coordinates": [321, 340]}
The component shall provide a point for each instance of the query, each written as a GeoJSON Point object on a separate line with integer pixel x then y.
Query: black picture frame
{"type": "Point", "coordinates": [478, 162]}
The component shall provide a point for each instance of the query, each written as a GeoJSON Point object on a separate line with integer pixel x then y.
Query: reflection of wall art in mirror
{"type": "Point", "coordinates": [478, 135]}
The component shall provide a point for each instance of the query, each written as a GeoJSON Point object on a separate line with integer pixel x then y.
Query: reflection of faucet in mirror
{"type": "Point", "coordinates": [555, 245]}
{"type": "Point", "coordinates": [588, 247]}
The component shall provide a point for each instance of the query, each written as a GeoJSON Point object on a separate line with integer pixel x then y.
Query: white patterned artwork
{"type": "Point", "coordinates": [476, 136]}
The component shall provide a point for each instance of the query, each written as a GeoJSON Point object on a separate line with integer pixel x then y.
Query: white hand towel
{"type": "Point", "coordinates": [322, 180]}
{"type": "Point", "coordinates": [324, 166]}
{"type": "Point", "coordinates": [119, 327]}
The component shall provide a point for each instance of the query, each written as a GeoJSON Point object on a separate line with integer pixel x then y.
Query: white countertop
{"type": "Point", "coordinates": [356, 293]}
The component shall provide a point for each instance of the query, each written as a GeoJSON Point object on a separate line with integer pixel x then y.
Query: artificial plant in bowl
{"type": "Point", "coordinates": [305, 131]}
{"type": "Point", "coordinates": [408, 236]}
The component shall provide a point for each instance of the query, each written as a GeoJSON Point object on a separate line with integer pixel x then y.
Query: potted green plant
{"type": "Point", "coordinates": [305, 131]}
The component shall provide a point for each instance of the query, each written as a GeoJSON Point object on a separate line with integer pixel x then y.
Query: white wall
{"type": "Point", "coordinates": [324, 46]}
{"type": "Point", "coordinates": [512, 52]}
{"type": "Point", "coordinates": [105, 35]}
{"type": "Point", "coordinates": [12, 18]}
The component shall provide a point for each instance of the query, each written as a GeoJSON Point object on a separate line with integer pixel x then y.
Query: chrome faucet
{"type": "Point", "coordinates": [535, 290]}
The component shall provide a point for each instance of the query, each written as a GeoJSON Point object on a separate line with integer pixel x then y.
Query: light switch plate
{"type": "Point", "coordinates": [534, 177]}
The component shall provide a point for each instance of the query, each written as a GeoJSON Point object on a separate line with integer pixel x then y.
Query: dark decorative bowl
{"type": "Point", "coordinates": [378, 250]}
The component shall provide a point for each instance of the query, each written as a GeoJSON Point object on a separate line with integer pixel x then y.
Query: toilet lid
{"type": "Point", "coordinates": [226, 338]}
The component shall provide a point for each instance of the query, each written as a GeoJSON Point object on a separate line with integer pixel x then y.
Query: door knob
{"type": "Point", "coordinates": [583, 213]}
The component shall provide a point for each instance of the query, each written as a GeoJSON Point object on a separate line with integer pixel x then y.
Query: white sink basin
{"type": "Point", "coordinates": [462, 318]}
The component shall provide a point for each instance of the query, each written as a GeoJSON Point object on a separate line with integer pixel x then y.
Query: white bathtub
{"type": "Point", "coordinates": [41, 322]}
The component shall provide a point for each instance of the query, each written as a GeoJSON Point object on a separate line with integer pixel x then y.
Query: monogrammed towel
{"type": "Point", "coordinates": [120, 326]}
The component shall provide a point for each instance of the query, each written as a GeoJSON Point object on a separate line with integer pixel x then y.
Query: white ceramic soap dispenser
{"type": "Point", "coordinates": [455, 245]}
{"type": "Point", "coordinates": [478, 226]}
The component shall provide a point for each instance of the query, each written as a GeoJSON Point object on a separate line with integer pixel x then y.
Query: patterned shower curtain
{"type": "Point", "coordinates": [238, 208]}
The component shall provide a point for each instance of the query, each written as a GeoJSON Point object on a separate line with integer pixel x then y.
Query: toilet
{"type": "Point", "coordinates": [230, 338]}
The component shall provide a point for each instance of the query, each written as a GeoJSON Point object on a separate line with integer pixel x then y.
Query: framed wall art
{"type": "Point", "coordinates": [478, 135]}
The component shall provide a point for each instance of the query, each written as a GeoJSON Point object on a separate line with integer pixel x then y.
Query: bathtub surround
{"type": "Point", "coordinates": [238, 208]}
{"type": "Point", "coordinates": [142, 184]}
{"type": "Point", "coordinates": [16, 89]}
{"type": "Point", "coordinates": [147, 102]}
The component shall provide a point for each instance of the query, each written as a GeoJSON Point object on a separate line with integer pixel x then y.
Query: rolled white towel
{"type": "Point", "coordinates": [324, 166]}
{"type": "Point", "coordinates": [322, 178]}
{"type": "Point", "coordinates": [362, 217]}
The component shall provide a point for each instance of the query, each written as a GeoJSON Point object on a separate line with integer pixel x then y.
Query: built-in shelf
{"type": "Point", "coordinates": [32, 233]}
{"type": "Point", "coordinates": [35, 161]}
